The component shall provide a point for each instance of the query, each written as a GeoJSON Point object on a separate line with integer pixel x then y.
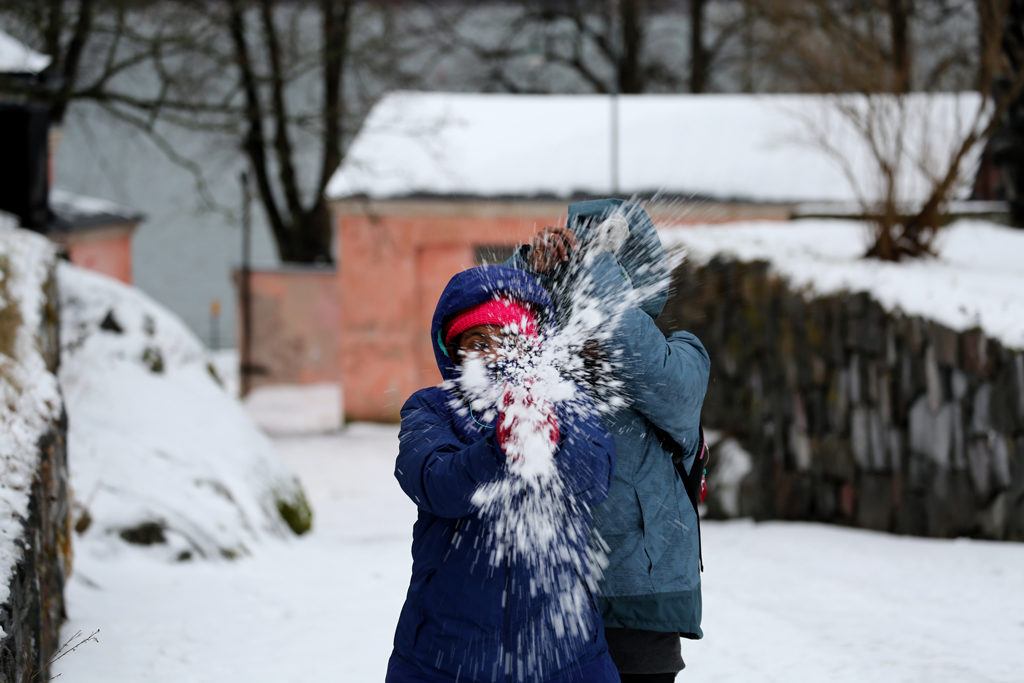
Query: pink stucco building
{"type": "Point", "coordinates": [394, 261]}
{"type": "Point", "coordinates": [95, 233]}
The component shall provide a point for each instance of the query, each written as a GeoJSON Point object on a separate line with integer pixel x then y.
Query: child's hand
{"type": "Point", "coordinates": [520, 417]}
{"type": "Point", "coordinates": [550, 247]}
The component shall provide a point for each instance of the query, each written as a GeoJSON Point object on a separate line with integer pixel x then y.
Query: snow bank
{"type": "Point", "coordinates": [30, 397]}
{"type": "Point", "coordinates": [977, 279]}
{"type": "Point", "coordinates": [160, 453]}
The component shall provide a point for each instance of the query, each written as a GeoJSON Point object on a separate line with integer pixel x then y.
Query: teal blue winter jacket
{"type": "Point", "coordinates": [652, 581]}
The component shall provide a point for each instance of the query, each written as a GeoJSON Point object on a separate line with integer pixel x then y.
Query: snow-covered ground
{"type": "Point", "coordinates": [785, 602]}
{"type": "Point", "coordinates": [782, 601]}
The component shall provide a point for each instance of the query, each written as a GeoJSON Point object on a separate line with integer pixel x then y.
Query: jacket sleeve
{"type": "Point", "coordinates": [436, 470]}
{"type": "Point", "coordinates": [664, 379]}
{"type": "Point", "coordinates": [586, 455]}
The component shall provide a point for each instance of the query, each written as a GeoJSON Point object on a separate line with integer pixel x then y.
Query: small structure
{"type": "Point", "coordinates": [438, 182]}
{"type": "Point", "coordinates": [94, 233]}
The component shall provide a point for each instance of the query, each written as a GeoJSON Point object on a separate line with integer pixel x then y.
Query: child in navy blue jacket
{"type": "Point", "coordinates": [482, 604]}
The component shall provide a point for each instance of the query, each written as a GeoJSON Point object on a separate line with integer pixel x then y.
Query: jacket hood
{"type": "Point", "coordinates": [475, 286]}
{"type": "Point", "coordinates": [642, 256]}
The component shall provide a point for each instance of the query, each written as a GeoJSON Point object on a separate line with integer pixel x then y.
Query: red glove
{"type": "Point", "coordinates": [515, 406]}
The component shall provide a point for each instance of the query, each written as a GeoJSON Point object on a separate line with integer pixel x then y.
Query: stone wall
{"type": "Point", "coordinates": [855, 415]}
{"type": "Point", "coordinates": [34, 564]}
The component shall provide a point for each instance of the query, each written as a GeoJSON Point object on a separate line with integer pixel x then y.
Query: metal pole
{"type": "Point", "coordinates": [245, 359]}
{"type": "Point", "coordinates": [215, 324]}
{"type": "Point", "coordinates": [614, 137]}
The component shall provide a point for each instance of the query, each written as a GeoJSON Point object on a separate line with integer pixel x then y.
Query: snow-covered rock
{"type": "Point", "coordinates": [30, 412]}
{"type": "Point", "coordinates": [160, 453]}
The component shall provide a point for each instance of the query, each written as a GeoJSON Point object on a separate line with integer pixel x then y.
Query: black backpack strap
{"type": "Point", "coordinates": [692, 478]}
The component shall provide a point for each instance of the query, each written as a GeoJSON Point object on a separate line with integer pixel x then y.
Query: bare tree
{"type": "Point", "coordinates": [86, 40]}
{"type": "Point", "coordinates": [1003, 65]}
{"type": "Point", "coordinates": [612, 46]}
{"type": "Point", "coordinates": [285, 83]}
{"type": "Point", "coordinates": [866, 50]}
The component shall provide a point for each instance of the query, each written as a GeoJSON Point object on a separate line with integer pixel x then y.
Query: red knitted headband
{"type": "Point", "coordinates": [502, 312]}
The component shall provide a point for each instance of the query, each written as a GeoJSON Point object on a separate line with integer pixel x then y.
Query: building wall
{"type": "Point", "coordinates": [394, 260]}
{"type": "Point", "coordinates": [294, 326]}
{"type": "Point", "coordinates": [107, 251]}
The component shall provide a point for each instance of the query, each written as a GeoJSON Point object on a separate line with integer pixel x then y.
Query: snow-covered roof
{"type": "Point", "coordinates": [77, 212]}
{"type": "Point", "coordinates": [16, 58]}
{"type": "Point", "coordinates": [768, 148]}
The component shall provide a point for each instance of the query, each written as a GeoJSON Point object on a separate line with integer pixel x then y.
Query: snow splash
{"type": "Point", "coordinates": [534, 519]}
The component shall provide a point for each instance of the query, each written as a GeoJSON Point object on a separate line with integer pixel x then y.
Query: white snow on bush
{"type": "Point", "coordinates": [976, 280]}
{"type": "Point", "coordinates": [154, 439]}
{"type": "Point", "coordinates": [29, 398]}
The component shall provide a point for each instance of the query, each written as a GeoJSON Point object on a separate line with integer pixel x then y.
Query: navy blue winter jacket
{"type": "Point", "coordinates": [466, 618]}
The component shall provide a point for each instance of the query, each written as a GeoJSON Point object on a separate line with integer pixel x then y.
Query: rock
{"type": "Point", "coordinates": [945, 343]}
{"type": "Point", "coordinates": [975, 351]}
{"type": "Point", "coordinates": [1018, 374]}
{"type": "Point", "coordinates": [932, 379]}
{"type": "Point", "coordinates": [980, 421]}
{"type": "Point", "coordinates": [959, 384]}
{"type": "Point", "coordinates": [979, 465]}
{"type": "Point", "coordinates": [950, 506]}
{"type": "Point", "coordinates": [874, 504]}
{"type": "Point", "coordinates": [877, 442]}
{"type": "Point", "coordinates": [800, 447]}
{"type": "Point", "coordinates": [729, 467]}
{"type": "Point", "coordinates": [894, 444]}
{"type": "Point", "coordinates": [992, 520]}
{"type": "Point", "coordinates": [1001, 449]}
{"type": "Point", "coordinates": [931, 433]}
{"type": "Point", "coordinates": [1003, 403]}
{"type": "Point", "coordinates": [853, 378]}
{"type": "Point", "coordinates": [110, 324]}
{"type": "Point", "coordinates": [912, 514]}
{"type": "Point", "coordinates": [838, 404]}
{"type": "Point", "coordinates": [915, 334]}
{"type": "Point", "coordinates": [295, 511]}
{"type": "Point", "coordinates": [959, 445]}
{"type": "Point", "coordinates": [859, 438]}
{"type": "Point", "coordinates": [147, 533]}
{"type": "Point", "coordinates": [153, 359]}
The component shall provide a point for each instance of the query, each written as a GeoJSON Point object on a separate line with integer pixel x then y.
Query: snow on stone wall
{"type": "Point", "coordinates": [34, 515]}
{"type": "Point", "coordinates": [854, 412]}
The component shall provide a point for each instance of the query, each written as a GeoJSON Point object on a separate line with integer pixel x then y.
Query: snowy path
{"type": "Point", "coordinates": [783, 602]}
